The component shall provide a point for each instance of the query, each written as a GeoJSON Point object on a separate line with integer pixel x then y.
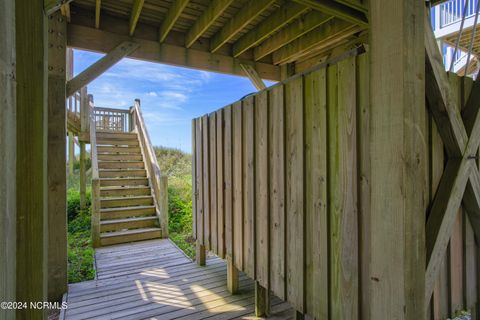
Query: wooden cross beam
{"type": "Point", "coordinates": [252, 74]}
{"type": "Point", "coordinates": [461, 178]}
{"type": "Point", "coordinates": [99, 67]}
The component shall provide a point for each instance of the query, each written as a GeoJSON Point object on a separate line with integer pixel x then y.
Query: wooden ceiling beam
{"type": "Point", "coordinates": [88, 38]}
{"type": "Point", "coordinates": [281, 17]}
{"type": "Point", "coordinates": [208, 17]}
{"type": "Point", "coordinates": [338, 10]}
{"type": "Point", "coordinates": [172, 16]}
{"type": "Point", "coordinates": [252, 74]}
{"type": "Point", "coordinates": [136, 10]}
{"type": "Point", "coordinates": [98, 5]}
{"type": "Point", "coordinates": [50, 6]}
{"type": "Point", "coordinates": [286, 35]}
{"type": "Point", "coordinates": [326, 35]}
{"type": "Point", "coordinates": [249, 12]}
{"type": "Point", "coordinates": [99, 67]}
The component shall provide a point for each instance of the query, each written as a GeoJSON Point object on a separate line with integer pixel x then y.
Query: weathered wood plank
{"type": "Point", "coordinates": [248, 155]}
{"type": "Point", "coordinates": [194, 180]}
{"type": "Point", "coordinates": [397, 183]}
{"type": "Point", "coordinates": [342, 185]}
{"type": "Point", "coordinates": [135, 14]}
{"type": "Point", "coordinates": [98, 7]}
{"type": "Point", "coordinates": [248, 12]}
{"type": "Point", "coordinates": [172, 16]}
{"type": "Point", "coordinates": [31, 155]}
{"type": "Point", "coordinates": [57, 188]}
{"type": "Point", "coordinates": [228, 174]}
{"type": "Point", "coordinates": [294, 193]}
{"type": "Point", "coordinates": [206, 182]}
{"type": "Point", "coordinates": [199, 180]}
{"type": "Point", "coordinates": [8, 155]}
{"type": "Point", "coordinates": [316, 227]}
{"type": "Point", "coordinates": [281, 17]}
{"type": "Point", "coordinates": [208, 17]}
{"type": "Point", "coordinates": [212, 135]}
{"type": "Point", "coordinates": [85, 77]}
{"type": "Point", "coordinates": [262, 213]}
{"type": "Point", "coordinates": [220, 185]}
{"type": "Point", "coordinates": [237, 179]}
{"type": "Point", "coordinates": [252, 74]}
{"type": "Point", "coordinates": [339, 10]}
{"type": "Point", "coordinates": [276, 145]}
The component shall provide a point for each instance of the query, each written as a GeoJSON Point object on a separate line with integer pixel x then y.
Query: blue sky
{"type": "Point", "coordinates": [170, 96]}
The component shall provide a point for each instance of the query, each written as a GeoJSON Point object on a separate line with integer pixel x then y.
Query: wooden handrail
{"type": "Point", "coordinates": [158, 182]}
{"type": "Point", "coordinates": [95, 208]}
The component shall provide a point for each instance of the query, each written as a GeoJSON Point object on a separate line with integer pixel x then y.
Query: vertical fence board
{"type": "Point", "coordinates": [342, 168]}
{"type": "Point", "coordinates": [212, 134]}
{"type": "Point", "coordinates": [248, 153]}
{"type": "Point", "coordinates": [237, 185]}
{"type": "Point", "coordinates": [206, 183]}
{"type": "Point", "coordinates": [220, 187]}
{"type": "Point", "coordinates": [277, 191]}
{"type": "Point", "coordinates": [294, 192]}
{"type": "Point", "coordinates": [199, 183]}
{"type": "Point", "coordinates": [316, 231]}
{"type": "Point", "coordinates": [194, 180]}
{"type": "Point", "coordinates": [228, 173]}
{"type": "Point", "coordinates": [262, 216]}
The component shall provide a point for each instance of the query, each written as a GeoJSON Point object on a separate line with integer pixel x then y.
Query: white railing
{"type": "Point", "coordinates": [452, 11]}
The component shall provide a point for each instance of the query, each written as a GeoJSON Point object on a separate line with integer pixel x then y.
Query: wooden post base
{"type": "Point", "coordinates": [232, 276]}
{"type": "Point", "coordinates": [200, 254]}
{"type": "Point", "coordinates": [299, 315]}
{"type": "Point", "coordinates": [262, 301]}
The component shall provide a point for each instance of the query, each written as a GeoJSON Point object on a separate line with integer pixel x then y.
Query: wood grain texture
{"type": "Point", "coordinates": [249, 191]}
{"type": "Point", "coordinates": [212, 136]}
{"type": "Point", "coordinates": [199, 180]}
{"type": "Point", "coordinates": [220, 185]}
{"type": "Point", "coordinates": [316, 206]}
{"type": "Point", "coordinates": [237, 179]}
{"type": "Point", "coordinates": [194, 180]}
{"type": "Point", "coordinates": [228, 173]}
{"type": "Point", "coordinates": [31, 156]}
{"type": "Point", "coordinates": [294, 193]}
{"type": "Point", "coordinates": [8, 156]}
{"type": "Point", "coordinates": [57, 179]}
{"type": "Point", "coordinates": [206, 182]}
{"type": "Point", "coordinates": [276, 145]}
{"type": "Point", "coordinates": [262, 212]}
{"type": "Point", "coordinates": [342, 185]}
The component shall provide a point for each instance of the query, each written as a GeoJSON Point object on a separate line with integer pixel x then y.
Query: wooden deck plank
{"type": "Point", "coordinates": [163, 284]}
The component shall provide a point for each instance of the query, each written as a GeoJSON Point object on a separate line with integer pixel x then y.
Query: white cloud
{"type": "Point", "coordinates": [152, 94]}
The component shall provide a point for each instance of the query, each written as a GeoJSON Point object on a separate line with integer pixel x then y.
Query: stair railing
{"type": "Point", "coordinates": [158, 182]}
{"type": "Point", "coordinates": [95, 208]}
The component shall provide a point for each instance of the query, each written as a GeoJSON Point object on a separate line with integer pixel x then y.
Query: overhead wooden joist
{"type": "Point", "coordinates": [99, 67]}
{"type": "Point", "coordinates": [325, 36]}
{"type": "Point", "coordinates": [172, 15]}
{"type": "Point", "coordinates": [252, 74]}
{"type": "Point", "coordinates": [88, 38]}
{"type": "Point", "coordinates": [337, 9]}
{"type": "Point", "coordinates": [281, 17]}
{"type": "Point", "coordinates": [136, 10]}
{"type": "Point", "coordinates": [291, 32]}
{"type": "Point", "coordinates": [208, 17]}
{"type": "Point", "coordinates": [50, 6]}
{"type": "Point", "coordinates": [98, 5]}
{"type": "Point", "coordinates": [249, 11]}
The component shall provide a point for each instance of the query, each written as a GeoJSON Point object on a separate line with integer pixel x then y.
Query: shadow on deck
{"type": "Point", "coordinates": [153, 279]}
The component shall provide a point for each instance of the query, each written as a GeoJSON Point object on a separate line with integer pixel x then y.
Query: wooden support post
{"type": "Point", "coordinates": [201, 254]}
{"type": "Point", "coordinates": [398, 182]}
{"type": "Point", "coordinates": [232, 276]}
{"type": "Point", "coordinates": [252, 74]}
{"type": "Point", "coordinates": [31, 155]}
{"type": "Point", "coordinates": [163, 205]}
{"type": "Point", "coordinates": [299, 315]}
{"type": "Point", "coordinates": [8, 155]}
{"type": "Point", "coordinates": [71, 153]}
{"type": "Point", "coordinates": [83, 177]}
{"type": "Point", "coordinates": [57, 188]}
{"type": "Point", "coordinates": [262, 300]}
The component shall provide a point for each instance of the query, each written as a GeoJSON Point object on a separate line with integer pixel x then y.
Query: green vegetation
{"type": "Point", "coordinates": [177, 165]}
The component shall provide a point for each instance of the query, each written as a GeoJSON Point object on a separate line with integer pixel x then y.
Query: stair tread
{"type": "Point", "coordinates": [127, 232]}
{"type": "Point", "coordinates": [119, 169]}
{"type": "Point", "coordinates": [126, 208]}
{"type": "Point", "coordinates": [124, 178]}
{"type": "Point", "coordinates": [123, 198]}
{"type": "Point", "coordinates": [113, 221]}
{"type": "Point", "coordinates": [124, 187]}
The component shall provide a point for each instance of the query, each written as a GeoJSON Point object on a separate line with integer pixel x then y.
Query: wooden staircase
{"type": "Point", "coordinates": [127, 208]}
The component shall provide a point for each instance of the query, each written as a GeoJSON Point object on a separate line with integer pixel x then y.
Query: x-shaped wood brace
{"type": "Point", "coordinates": [461, 178]}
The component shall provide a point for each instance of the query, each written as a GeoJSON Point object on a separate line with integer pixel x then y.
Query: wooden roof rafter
{"type": "Point", "coordinates": [172, 15]}
{"type": "Point", "coordinates": [340, 10]}
{"type": "Point", "coordinates": [249, 12]}
{"type": "Point", "coordinates": [136, 10]}
{"type": "Point", "coordinates": [98, 5]}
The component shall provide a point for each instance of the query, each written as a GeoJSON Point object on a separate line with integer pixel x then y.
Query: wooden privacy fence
{"type": "Point", "coordinates": [281, 186]}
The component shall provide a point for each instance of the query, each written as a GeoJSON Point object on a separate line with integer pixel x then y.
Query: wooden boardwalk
{"type": "Point", "coordinates": [154, 280]}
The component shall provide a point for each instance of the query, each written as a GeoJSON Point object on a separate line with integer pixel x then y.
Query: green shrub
{"type": "Point", "coordinates": [80, 251]}
{"type": "Point", "coordinates": [73, 202]}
